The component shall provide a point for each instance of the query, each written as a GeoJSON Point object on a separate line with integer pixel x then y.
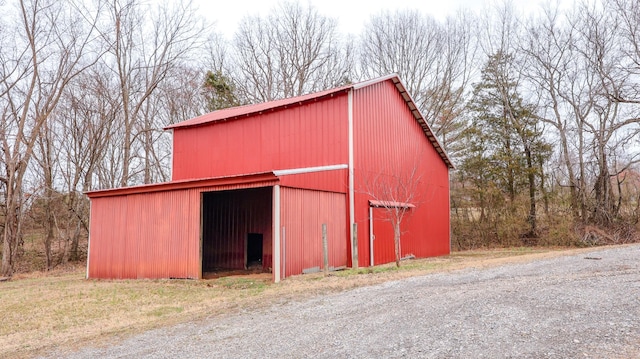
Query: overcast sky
{"type": "Point", "coordinates": [351, 14]}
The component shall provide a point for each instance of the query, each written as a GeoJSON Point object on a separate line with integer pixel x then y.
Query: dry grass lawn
{"type": "Point", "coordinates": [43, 311]}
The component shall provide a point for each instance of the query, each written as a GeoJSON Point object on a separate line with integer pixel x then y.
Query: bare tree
{"type": "Point", "coordinates": [47, 159]}
{"type": "Point", "coordinates": [141, 56]}
{"type": "Point", "coordinates": [293, 51]}
{"type": "Point", "coordinates": [548, 46]}
{"type": "Point", "coordinates": [46, 49]}
{"type": "Point", "coordinates": [627, 16]}
{"type": "Point", "coordinates": [583, 67]}
{"type": "Point", "coordinates": [434, 60]}
{"type": "Point", "coordinates": [447, 95]}
{"type": "Point", "coordinates": [612, 120]}
{"type": "Point", "coordinates": [177, 98]}
{"type": "Point", "coordinates": [395, 189]}
{"type": "Point", "coordinates": [405, 42]}
{"type": "Point", "coordinates": [86, 118]}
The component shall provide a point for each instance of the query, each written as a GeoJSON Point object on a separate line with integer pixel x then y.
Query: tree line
{"type": "Point", "coordinates": [540, 113]}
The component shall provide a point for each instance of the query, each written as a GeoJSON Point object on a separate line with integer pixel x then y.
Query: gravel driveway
{"type": "Point", "coordinates": [581, 306]}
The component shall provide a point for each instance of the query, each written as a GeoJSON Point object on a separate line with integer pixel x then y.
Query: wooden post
{"type": "Point", "coordinates": [354, 250]}
{"type": "Point", "coordinates": [284, 254]}
{"type": "Point", "coordinates": [325, 249]}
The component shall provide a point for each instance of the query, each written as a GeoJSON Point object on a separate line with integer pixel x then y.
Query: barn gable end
{"type": "Point", "coordinates": [390, 147]}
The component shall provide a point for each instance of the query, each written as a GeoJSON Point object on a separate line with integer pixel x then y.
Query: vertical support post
{"type": "Point", "coordinates": [449, 209]}
{"type": "Point", "coordinates": [352, 215]}
{"type": "Point", "coordinates": [201, 238]}
{"type": "Point", "coordinates": [276, 233]}
{"type": "Point", "coordinates": [171, 166]}
{"type": "Point", "coordinates": [371, 236]}
{"type": "Point", "coordinates": [89, 241]}
{"type": "Point", "coordinates": [325, 249]}
{"type": "Point", "coordinates": [354, 241]}
{"type": "Point", "coordinates": [284, 254]}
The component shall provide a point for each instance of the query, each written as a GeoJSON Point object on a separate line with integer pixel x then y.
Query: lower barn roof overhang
{"type": "Point", "coordinates": [265, 179]}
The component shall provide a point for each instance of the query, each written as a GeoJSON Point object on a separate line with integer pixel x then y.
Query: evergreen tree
{"type": "Point", "coordinates": [219, 91]}
{"type": "Point", "coordinates": [505, 138]}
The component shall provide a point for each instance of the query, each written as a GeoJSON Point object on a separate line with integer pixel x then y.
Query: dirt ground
{"type": "Point", "coordinates": [575, 304]}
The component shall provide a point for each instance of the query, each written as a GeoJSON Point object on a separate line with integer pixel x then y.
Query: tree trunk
{"type": "Point", "coordinates": [581, 184]}
{"type": "Point", "coordinates": [120, 52]}
{"type": "Point", "coordinates": [573, 191]}
{"type": "Point", "coordinates": [11, 225]}
{"type": "Point", "coordinates": [545, 195]}
{"type": "Point", "coordinates": [75, 242]}
{"type": "Point", "coordinates": [532, 194]}
{"type": "Point", "coordinates": [11, 233]}
{"type": "Point", "coordinates": [602, 212]}
{"type": "Point", "coordinates": [396, 241]}
{"type": "Point", "coordinates": [7, 257]}
{"type": "Point", "coordinates": [511, 182]}
{"type": "Point", "coordinates": [50, 222]}
{"type": "Point", "coordinates": [148, 145]}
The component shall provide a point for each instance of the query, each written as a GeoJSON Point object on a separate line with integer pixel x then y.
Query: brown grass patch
{"type": "Point", "coordinates": [62, 309]}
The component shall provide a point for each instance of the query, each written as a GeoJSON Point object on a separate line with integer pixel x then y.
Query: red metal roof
{"type": "Point", "coordinates": [267, 177]}
{"type": "Point", "coordinates": [250, 110]}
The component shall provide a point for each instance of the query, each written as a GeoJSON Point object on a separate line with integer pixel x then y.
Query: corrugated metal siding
{"type": "Point", "coordinates": [383, 243]}
{"type": "Point", "coordinates": [149, 235]}
{"type": "Point", "coordinates": [302, 214]}
{"type": "Point", "coordinates": [330, 181]}
{"type": "Point", "coordinates": [307, 135]}
{"type": "Point", "coordinates": [228, 217]}
{"type": "Point", "coordinates": [387, 138]}
{"type": "Point", "coordinates": [145, 236]}
{"type": "Point", "coordinates": [106, 252]}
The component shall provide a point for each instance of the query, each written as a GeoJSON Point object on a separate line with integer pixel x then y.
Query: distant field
{"type": "Point", "coordinates": [42, 311]}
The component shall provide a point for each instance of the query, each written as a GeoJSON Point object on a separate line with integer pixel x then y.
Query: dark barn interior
{"type": "Point", "coordinates": [236, 229]}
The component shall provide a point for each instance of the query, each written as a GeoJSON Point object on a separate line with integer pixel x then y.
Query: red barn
{"type": "Point", "coordinates": [258, 183]}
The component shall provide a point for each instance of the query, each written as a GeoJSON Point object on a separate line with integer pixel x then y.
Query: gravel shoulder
{"type": "Point", "coordinates": [585, 305]}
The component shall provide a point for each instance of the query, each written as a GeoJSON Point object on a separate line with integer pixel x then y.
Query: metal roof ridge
{"type": "Point", "coordinates": [374, 81]}
{"type": "Point", "coordinates": [256, 108]}
{"type": "Point", "coordinates": [275, 104]}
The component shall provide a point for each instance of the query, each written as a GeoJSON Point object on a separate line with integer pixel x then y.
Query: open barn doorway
{"type": "Point", "coordinates": [254, 250]}
{"type": "Point", "coordinates": [236, 231]}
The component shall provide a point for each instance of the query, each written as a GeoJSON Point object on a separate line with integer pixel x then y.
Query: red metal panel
{"type": "Point", "coordinates": [152, 234]}
{"type": "Point", "coordinates": [157, 245]}
{"type": "Point", "coordinates": [106, 255]}
{"type": "Point", "coordinates": [147, 235]}
{"type": "Point", "coordinates": [330, 181]}
{"type": "Point", "coordinates": [383, 242]}
{"type": "Point", "coordinates": [302, 214]}
{"type": "Point", "coordinates": [389, 141]}
{"type": "Point", "coordinates": [299, 136]}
